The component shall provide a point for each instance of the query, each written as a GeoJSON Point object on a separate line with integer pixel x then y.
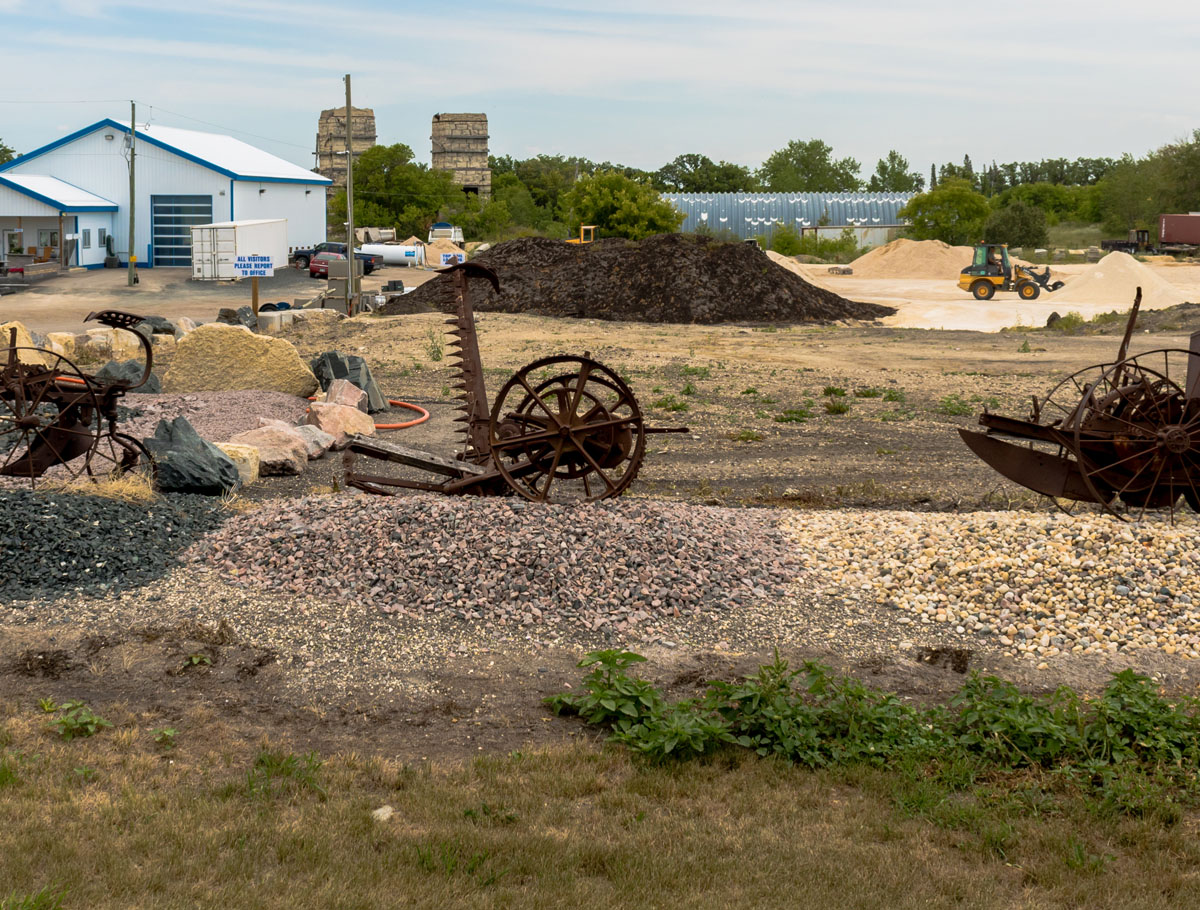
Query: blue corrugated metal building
{"type": "Point", "coordinates": [873, 215]}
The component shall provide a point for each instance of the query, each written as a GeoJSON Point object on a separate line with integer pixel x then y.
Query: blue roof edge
{"type": "Point", "coordinates": [56, 203]}
{"type": "Point", "coordinates": [146, 137]}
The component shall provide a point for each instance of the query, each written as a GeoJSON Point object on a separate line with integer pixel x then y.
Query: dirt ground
{"type": "Point", "coordinates": [755, 399]}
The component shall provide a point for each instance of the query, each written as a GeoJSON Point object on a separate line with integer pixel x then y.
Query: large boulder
{"type": "Point", "coordinates": [340, 422]}
{"type": "Point", "coordinates": [222, 358]}
{"type": "Point", "coordinates": [107, 343]}
{"type": "Point", "coordinates": [319, 442]}
{"type": "Point", "coordinates": [129, 371]}
{"type": "Point", "coordinates": [244, 457]}
{"type": "Point", "coordinates": [61, 343]}
{"type": "Point", "coordinates": [343, 391]}
{"type": "Point", "coordinates": [334, 365]}
{"type": "Point", "coordinates": [187, 463]}
{"type": "Point", "coordinates": [243, 315]}
{"type": "Point", "coordinates": [24, 340]}
{"type": "Point", "coordinates": [280, 451]}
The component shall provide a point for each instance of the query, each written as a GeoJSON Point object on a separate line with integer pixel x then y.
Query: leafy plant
{"type": "Point", "coordinates": [833, 391]}
{"type": "Point", "coordinates": [46, 899]}
{"type": "Point", "coordinates": [8, 770]}
{"type": "Point", "coordinates": [750, 391]}
{"type": "Point", "coordinates": [688, 389]}
{"type": "Point", "coordinates": [746, 436]}
{"type": "Point", "coordinates": [490, 815]}
{"type": "Point", "coordinates": [698, 372]}
{"type": "Point", "coordinates": [671, 403]}
{"type": "Point", "coordinates": [894, 395]}
{"type": "Point", "coordinates": [434, 344]}
{"type": "Point", "coordinates": [869, 392]}
{"type": "Point", "coordinates": [197, 660]}
{"type": "Point", "coordinates": [165, 737]}
{"type": "Point", "coordinates": [48, 705]}
{"type": "Point", "coordinates": [78, 720]}
{"type": "Point", "coordinates": [796, 415]}
{"type": "Point", "coordinates": [837, 406]}
{"type": "Point", "coordinates": [954, 406]}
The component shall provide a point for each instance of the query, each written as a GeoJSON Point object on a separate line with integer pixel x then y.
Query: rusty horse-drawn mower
{"type": "Point", "coordinates": [1124, 435]}
{"type": "Point", "coordinates": [58, 423]}
{"type": "Point", "coordinates": [562, 429]}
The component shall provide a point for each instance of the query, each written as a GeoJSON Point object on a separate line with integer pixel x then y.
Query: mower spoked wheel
{"type": "Point", "coordinates": [567, 429]}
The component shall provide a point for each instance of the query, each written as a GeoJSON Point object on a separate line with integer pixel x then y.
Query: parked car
{"type": "Point", "coordinates": [318, 266]}
{"type": "Point", "coordinates": [370, 262]}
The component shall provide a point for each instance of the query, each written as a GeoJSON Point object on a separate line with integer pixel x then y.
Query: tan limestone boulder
{"type": "Point", "coordinates": [340, 422]}
{"type": "Point", "coordinates": [218, 357]}
{"type": "Point", "coordinates": [24, 340]}
{"type": "Point", "coordinates": [244, 458]}
{"type": "Point", "coordinates": [62, 343]}
{"type": "Point", "coordinates": [164, 344]}
{"type": "Point", "coordinates": [185, 325]}
{"type": "Point", "coordinates": [280, 451]}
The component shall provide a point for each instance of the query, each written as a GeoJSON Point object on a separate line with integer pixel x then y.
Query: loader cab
{"type": "Point", "coordinates": [990, 259]}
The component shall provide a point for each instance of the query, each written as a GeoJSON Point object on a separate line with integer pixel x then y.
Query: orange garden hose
{"type": "Point", "coordinates": [394, 402]}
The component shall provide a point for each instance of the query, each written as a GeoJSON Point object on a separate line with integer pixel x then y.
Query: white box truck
{"type": "Point", "coordinates": [215, 247]}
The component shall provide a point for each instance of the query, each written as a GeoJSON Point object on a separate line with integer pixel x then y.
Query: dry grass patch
{"type": "Point", "coordinates": [120, 820]}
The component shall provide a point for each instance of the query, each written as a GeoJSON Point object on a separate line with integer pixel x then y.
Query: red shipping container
{"type": "Point", "coordinates": [1179, 228]}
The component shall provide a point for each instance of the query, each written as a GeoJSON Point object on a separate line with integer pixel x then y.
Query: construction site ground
{"type": "Point", "coordinates": [762, 402]}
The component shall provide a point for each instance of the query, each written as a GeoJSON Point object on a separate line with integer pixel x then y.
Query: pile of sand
{"type": "Point", "coordinates": [816, 275]}
{"type": "Point", "coordinates": [913, 259]}
{"type": "Point", "coordinates": [433, 251]}
{"type": "Point", "coordinates": [1114, 280]}
{"type": "Point", "coordinates": [664, 278]}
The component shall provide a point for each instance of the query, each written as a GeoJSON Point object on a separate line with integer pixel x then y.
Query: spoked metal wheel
{"type": "Point", "coordinates": [1138, 436]}
{"type": "Point", "coordinates": [119, 455]}
{"type": "Point", "coordinates": [567, 429]}
{"type": "Point", "coordinates": [49, 418]}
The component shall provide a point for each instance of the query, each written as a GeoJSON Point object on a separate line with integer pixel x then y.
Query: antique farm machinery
{"type": "Point", "coordinates": [58, 423]}
{"type": "Point", "coordinates": [1125, 435]}
{"type": "Point", "coordinates": [562, 429]}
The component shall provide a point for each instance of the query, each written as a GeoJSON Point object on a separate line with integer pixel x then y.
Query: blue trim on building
{"type": "Point", "coordinates": [147, 137]}
{"type": "Point", "coordinates": [56, 204]}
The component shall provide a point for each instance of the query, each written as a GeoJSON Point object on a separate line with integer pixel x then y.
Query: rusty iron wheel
{"type": "Point", "coordinates": [1137, 434]}
{"type": "Point", "coordinates": [120, 455]}
{"type": "Point", "coordinates": [49, 419]}
{"type": "Point", "coordinates": [567, 429]}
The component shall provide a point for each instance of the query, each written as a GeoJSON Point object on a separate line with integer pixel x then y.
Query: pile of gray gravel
{"type": "Point", "coordinates": [622, 566]}
{"type": "Point", "coordinates": [52, 544]}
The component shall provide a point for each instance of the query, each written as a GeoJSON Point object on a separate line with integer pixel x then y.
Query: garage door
{"type": "Point", "coordinates": [171, 220]}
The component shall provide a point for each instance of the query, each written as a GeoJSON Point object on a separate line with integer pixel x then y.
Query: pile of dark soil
{"type": "Point", "coordinates": [665, 278]}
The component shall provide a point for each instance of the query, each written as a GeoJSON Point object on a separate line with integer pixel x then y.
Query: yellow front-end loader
{"type": "Point", "coordinates": [991, 270]}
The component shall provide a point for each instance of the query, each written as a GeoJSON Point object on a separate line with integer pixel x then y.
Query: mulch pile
{"type": "Point", "coordinates": [665, 278]}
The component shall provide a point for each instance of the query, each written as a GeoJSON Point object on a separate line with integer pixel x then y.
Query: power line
{"type": "Point", "coordinates": [228, 129]}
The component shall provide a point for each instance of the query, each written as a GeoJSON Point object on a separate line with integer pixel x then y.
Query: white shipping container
{"type": "Point", "coordinates": [216, 246]}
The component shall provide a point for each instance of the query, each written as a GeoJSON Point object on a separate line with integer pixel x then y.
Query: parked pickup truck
{"type": "Point", "coordinates": [369, 262]}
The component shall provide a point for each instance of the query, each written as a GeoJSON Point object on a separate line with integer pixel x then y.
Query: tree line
{"type": "Point", "coordinates": [552, 195]}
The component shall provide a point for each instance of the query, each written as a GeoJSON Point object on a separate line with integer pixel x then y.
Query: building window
{"type": "Point", "coordinates": [87, 238]}
{"type": "Point", "coordinates": [101, 237]}
{"type": "Point", "coordinates": [47, 237]}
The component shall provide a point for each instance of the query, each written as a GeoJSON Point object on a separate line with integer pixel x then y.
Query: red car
{"type": "Point", "coordinates": [318, 266]}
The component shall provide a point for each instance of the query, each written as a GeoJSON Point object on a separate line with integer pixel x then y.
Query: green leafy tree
{"type": "Point", "coordinates": [1181, 174]}
{"type": "Point", "coordinates": [6, 152]}
{"type": "Point", "coordinates": [1017, 224]}
{"type": "Point", "coordinates": [952, 212]}
{"type": "Point", "coordinates": [809, 167]}
{"type": "Point", "coordinates": [390, 190]}
{"type": "Point", "coordinates": [619, 206]}
{"type": "Point", "coordinates": [786, 241]}
{"type": "Point", "coordinates": [694, 173]}
{"type": "Point", "coordinates": [892, 174]}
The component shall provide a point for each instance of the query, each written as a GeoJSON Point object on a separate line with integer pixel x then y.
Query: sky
{"type": "Point", "coordinates": [625, 81]}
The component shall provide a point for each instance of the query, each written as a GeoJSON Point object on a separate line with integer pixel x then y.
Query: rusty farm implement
{"type": "Point", "coordinates": [1124, 435]}
{"type": "Point", "coordinates": [58, 423]}
{"type": "Point", "coordinates": [561, 429]}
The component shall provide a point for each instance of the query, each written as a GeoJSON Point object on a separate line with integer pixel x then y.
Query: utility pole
{"type": "Point", "coordinates": [133, 278]}
{"type": "Point", "coordinates": [351, 261]}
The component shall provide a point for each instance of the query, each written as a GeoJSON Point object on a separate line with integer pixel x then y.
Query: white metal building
{"type": "Point", "coordinates": [63, 199]}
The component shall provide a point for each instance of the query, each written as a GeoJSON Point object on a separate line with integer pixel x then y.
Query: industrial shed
{"type": "Point", "coordinates": [61, 201]}
{"type": "Point", "coordinates": [873, 216]}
